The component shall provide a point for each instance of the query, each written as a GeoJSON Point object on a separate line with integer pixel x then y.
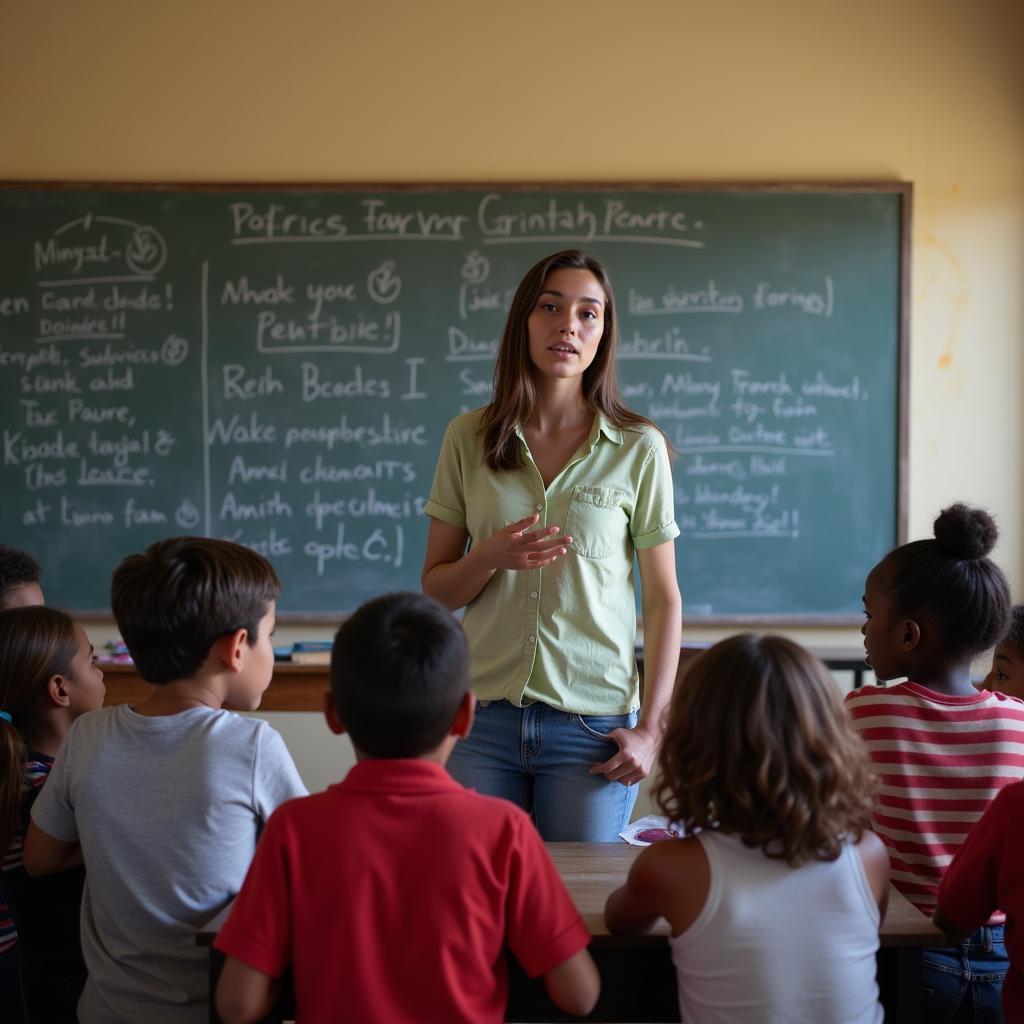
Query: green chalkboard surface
{"type": "Point", "coordinates": [277, 366]}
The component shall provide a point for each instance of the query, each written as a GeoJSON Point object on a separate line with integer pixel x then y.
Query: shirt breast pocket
{"type": "Point", "coordinates": [597, 521]}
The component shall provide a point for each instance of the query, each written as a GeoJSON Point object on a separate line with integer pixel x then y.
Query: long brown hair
{"type": "Point", "coordinates": [515, 394]}
{"type": "Point", "coordinates": [36, 643]}
{"type": "Point", "coordinates": [758, 744]}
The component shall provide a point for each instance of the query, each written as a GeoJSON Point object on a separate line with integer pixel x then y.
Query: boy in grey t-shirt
{"type": "Point", "coordinates": [166, 799]}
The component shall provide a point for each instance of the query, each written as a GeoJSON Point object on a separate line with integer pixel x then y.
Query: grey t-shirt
{"type": "Point", "coordinates": [168, 811]}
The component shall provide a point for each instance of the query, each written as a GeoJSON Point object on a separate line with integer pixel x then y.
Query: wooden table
{"type": "Point", "coordinates": [637, 975]}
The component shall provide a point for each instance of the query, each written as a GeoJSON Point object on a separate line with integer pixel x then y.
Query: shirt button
{"type": "Point", "coordinates": [533, 593]}
{"type": "Point", "coordinates": [533, 639]}
{"type": "Point", "coordinates": [539, 508]}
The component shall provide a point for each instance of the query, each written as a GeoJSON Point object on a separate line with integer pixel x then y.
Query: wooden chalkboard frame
{"type": "Point", "coordinates": [903, 189]}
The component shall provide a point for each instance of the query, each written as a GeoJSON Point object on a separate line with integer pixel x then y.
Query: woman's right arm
{"type": "Point", "coordinates": [454, 576]}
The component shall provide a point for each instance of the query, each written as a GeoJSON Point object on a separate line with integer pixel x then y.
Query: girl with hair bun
{"type": "Point", "coordinates": [940, 749]}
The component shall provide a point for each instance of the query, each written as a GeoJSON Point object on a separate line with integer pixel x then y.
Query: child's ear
{"type": "Point", "coordinates": [334, 722]}
{"type": "Point", "coordinates": [57, 692]}
{"type": "Point", "coordinates": [228, 649]}
{"type": "Point", "coordinates": [911, 637]}
{"type": "Point", "coordinates": [462, 723]}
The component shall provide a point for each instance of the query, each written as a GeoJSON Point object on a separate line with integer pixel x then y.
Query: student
{"type": "Point", "coordinates": [48, 677]}
{"type": "Point", "coordinates": [19, 578]}
{"type": "Point", "coordinates": [19, 585]}
{"type": "Point", "coordinates": [167, 797]}
{"type": "Point", "coordinates": [407, 885]}
{"type": "Point", "coordinates": [555, 488]}
{"type": "Point", "coordinates": [940, 748]}
{"type": "Point", "coordinates": [986, 875]}
{"type": "Point", "coordinates": [1007, 673]}
{"type": "Point", "coordinates": [776, 902]}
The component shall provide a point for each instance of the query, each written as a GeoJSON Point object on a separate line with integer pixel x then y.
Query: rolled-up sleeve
{"type": "Point", "coordinates": [653, 520]}
{"type": "Point", "coordinates": [447, 500]}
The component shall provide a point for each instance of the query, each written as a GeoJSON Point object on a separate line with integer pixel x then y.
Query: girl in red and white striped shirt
{"type": "Point", "coordinates": [940, 749]}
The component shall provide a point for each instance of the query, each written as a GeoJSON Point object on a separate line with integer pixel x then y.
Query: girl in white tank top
{"type": "Point", "coordinates": [776, 901]}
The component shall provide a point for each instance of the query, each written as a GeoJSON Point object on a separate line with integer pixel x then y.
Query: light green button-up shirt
{"type": "Point", "coordinates": [564, 634]}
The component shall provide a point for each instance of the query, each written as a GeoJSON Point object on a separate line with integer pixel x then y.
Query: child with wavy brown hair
{"type": "Point", "coordinates": [775, 898]}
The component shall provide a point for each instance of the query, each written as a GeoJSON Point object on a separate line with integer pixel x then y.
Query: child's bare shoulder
{"type": "Point", "coordinates": [661, 865]}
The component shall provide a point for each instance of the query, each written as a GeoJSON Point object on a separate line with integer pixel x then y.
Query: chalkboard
{"type": "Point", "coordinates": [277, 366]}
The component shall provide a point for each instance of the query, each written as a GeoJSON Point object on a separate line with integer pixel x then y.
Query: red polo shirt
{"type": "Point", "coordinates": [393, 895]}
{"type": "Point", "coordinates": [988, 873]}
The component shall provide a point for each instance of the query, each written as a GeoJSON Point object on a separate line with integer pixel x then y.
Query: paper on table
{"type": "Point", "coordinates": [650, 829]}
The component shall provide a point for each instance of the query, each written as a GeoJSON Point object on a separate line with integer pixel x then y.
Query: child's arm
{"type": "Point", "coordinates": [244, 995]}
{"type": "Point", "coordinates": [669, 879]}
{"type": "Point", "coordinates": [875, 858]}
{"type": "Point", "coordinates": [634, 907]}
{"type": "Point", "coordinates": [574, 985]}
{"type": "Point", "coordinates": [44, 855]}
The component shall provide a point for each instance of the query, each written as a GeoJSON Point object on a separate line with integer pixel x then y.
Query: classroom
{"type": "Point", "coordinates": [914, 92]}
{"type": "Point", "coordinates": [389, 93]}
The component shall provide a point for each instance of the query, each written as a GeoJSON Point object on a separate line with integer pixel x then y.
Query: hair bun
{"type": "Point", "coordinates": [965, 532]}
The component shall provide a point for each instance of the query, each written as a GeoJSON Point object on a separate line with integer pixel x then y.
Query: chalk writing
{"type": "Point", "coordinates": [277, 367]}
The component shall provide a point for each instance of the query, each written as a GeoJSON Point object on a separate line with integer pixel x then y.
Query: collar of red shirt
{"type": "Point", "coordinates": [400, 774]}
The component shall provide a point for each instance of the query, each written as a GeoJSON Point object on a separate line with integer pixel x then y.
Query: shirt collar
{"type": "Point", "coordinates": [605, 426]}
{"type": "Point", "coordinates": [399, 775]}
{"type": "Point", "coordinates": [602, 425]}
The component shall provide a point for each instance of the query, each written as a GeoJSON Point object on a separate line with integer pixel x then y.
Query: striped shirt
{"type": "Point", "coordinates": [8, 933]}
{"type": "Point", "coordinates": [37, 769]}
{"type": "Point", "coordinates": [939, 762]}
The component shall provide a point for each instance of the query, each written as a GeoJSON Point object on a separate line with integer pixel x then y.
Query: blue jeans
{"type": "Point", "coordinates": [540, 758]}
{"type": "Point", "coordinates": [964, 984]}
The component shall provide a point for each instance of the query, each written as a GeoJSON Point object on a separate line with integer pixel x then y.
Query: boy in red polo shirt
{"type": "Point", "coordinates": [393, 895]}
{"type": "Point", "coordinates": [987, 874]}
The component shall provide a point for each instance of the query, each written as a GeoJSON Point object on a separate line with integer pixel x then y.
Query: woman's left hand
{"type": "Point", "coordinates": [633, 761]}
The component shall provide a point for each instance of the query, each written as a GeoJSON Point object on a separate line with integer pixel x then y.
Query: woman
{"type": "Point", "coordinates": [553, 486]}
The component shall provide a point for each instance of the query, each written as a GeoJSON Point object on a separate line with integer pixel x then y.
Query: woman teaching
{"type": "Point", "coordinates": [539, 502]}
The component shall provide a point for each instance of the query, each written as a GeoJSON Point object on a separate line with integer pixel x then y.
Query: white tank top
{"type": "Point", "coordinates": [779, 944]}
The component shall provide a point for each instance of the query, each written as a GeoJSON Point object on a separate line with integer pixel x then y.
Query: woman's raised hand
{"type": "Point", "coordinates": [516, 546]}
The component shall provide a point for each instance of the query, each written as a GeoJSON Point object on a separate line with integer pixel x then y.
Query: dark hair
{"type": "Point", "coordinates": [952, 578]}
{"type": "Point", "coordinates": [515, 393]}
{"type": "Point", "coordinates": [181, 595]}
{"type": "Point", "coordinates": [16, 569]}
{"type": "Point", "coordinates": [399, 670]}
{"type": "Point", "coordinates": [757, 744]}
{"type": "Point", "coordinates": [1015, 634]}
{"type": "Point", "coordinates": [36, 643]}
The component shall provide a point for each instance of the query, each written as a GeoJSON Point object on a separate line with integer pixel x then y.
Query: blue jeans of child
{"type": "Point", "coordinates": [964, 984]}
{"type": "Point", "coordinates": [540, 758]}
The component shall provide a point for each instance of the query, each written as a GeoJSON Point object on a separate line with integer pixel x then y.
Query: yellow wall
{"type": "Point", "coordinates": [928, 91]}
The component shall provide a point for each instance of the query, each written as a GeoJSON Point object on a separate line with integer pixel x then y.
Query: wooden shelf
{"type": "Point", "coordinates": [294, 687]}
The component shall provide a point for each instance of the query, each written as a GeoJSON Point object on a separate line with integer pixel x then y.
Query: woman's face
{"type": "Point", "coordinates": [566, 324]}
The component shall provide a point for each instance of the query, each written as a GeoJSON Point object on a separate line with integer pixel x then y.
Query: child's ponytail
{"type": "Point", "coordinates": [12, 779]}
{"type": "Point", "coordinates": [36, 643]}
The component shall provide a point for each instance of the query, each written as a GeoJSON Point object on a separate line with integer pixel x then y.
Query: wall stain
{"type": "Point", "coordinates": [956, 289]}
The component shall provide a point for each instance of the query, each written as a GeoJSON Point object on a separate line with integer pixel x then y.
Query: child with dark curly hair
{"type": "Point", "coordinates": [1007, 673]}
{"type": "Point", "coordinates": [941, 749]}
{"type": "Point", "coordinates": [776, 902]}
